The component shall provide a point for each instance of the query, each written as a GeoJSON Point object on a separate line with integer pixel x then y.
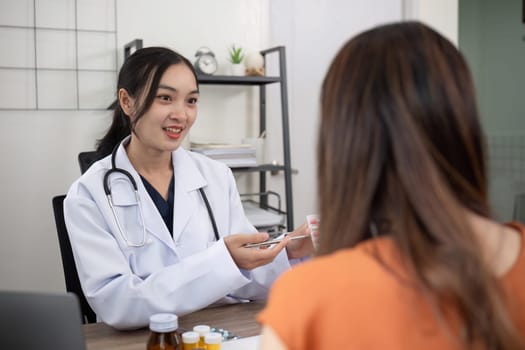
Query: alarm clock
{"type": "Point", "coordinates": [206, 63]}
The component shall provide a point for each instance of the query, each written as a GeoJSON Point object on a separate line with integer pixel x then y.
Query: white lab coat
{"type": "Point", "coordinates": [125, 285]}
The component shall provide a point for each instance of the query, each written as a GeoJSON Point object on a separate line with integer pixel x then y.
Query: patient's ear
{"type": "Point", "coordinates": [126, 102]}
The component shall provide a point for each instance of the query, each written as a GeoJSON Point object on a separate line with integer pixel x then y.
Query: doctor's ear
{"type": "Point", "coordinates": [126, 102]}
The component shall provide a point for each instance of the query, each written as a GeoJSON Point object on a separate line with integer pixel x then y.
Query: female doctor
{"type": "Point", "coordinates": [151, 224]}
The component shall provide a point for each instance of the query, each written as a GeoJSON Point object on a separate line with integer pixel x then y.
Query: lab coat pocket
{"type": "Point", "coordinates": [122, 192]}
{"type": "Point", "coordinates": [143, 261]}
{"type": "Point", "coordinates": [128, 214]}
{"type": "Point", "coordinates": [151, 258]}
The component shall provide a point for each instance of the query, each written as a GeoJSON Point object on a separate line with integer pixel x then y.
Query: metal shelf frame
{"type": "Point", "coordinates": [262, 82]}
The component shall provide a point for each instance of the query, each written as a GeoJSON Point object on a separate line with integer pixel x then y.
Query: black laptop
{"type": "Point", "coordinates": [40, 321]}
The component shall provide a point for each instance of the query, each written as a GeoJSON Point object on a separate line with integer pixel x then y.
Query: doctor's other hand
{"type": "Point", "coordinates": [300, 248]}
{"type": "Point", "coordinates": [250, 258]}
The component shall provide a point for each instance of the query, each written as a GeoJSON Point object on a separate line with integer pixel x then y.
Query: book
{"type": "Point", "coordinates": [233, 155]}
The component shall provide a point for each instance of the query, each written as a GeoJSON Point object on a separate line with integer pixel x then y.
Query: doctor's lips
{"type": "Point", "coordinates": [173, 132]}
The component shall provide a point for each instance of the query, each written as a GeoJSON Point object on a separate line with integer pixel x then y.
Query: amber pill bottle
{"type": "Point", "coordinates": [163, 335]}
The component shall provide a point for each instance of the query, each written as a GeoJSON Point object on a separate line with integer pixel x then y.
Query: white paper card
{"type": "Point", "coordinates": [248, 343]}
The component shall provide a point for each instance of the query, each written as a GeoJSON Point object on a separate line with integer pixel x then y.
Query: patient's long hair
{"type": "Point", "coordinates": [400, 143]}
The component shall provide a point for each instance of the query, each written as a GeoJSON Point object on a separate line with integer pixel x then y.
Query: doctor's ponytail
{"type": "Point", "coordinates": [119, 129]}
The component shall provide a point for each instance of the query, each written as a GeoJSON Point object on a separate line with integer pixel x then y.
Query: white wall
{"type": "Point", "coordinates": [312, 32]}
{"type": "Point", "coordinates": [442, 15]}
{"type": "Point", "coordinates": [39, 149]}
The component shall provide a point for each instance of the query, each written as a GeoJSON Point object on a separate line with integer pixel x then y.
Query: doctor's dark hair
{"type": "Point", "coordinates": [401, 149]}
{"type": "Point", "coordinates": [140, 76]}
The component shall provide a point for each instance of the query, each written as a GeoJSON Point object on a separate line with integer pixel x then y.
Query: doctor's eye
{"type": "Point", "coordinates": [166, 98]}
{"type": "Point", "coordinates": [193, 100]}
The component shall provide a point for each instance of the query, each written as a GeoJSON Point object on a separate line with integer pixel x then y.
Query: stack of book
{"type": "Point", "coordinates": [233, 155]}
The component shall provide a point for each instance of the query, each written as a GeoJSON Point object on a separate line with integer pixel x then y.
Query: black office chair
{"type": "Point", "coordinates": [68, 261]}
{"type": "Point", "coordinates": [85, 159]}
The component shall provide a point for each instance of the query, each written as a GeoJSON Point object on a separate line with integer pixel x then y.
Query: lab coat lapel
{"type": "Point", "coordinates": [188, 179]}
{"type": "Point", "coordinates": [153, 220]}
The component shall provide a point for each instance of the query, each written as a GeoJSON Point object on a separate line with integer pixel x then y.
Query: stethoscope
{"type": "Point", "coordinates": [107, 190]}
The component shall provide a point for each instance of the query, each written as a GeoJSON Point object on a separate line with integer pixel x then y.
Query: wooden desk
{"type": "Point", "coordinates": [239, 319]}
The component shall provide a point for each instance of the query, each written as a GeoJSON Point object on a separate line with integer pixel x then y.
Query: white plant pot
{"type": "Point", "coordinates": [238, 69]}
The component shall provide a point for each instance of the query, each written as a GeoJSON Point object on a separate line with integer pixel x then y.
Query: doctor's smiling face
{"type": "Point", "coordinates": [171, 114]}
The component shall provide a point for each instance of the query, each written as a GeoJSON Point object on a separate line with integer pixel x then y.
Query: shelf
{"type": "Point", "coordinates": [264, 170]}
{"type": "Point", "coordinates": [261, 218]}
{"type": "Point", "coordinates": [235, 80]}
{"type": "Point", "coordinates": [262, 167]}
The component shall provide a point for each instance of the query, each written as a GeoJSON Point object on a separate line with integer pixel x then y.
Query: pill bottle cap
{"type": "Point", "coordinates": [202, 329]}
{"type": "Point", "coordinates": [213, 338]}
{"type": "Point", "coordinates": [163, 323]}
{"type": "Point", "coordinates": [190, 337]}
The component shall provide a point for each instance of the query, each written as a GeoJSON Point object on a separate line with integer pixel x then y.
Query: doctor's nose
{"type": "Point", "coordinates": [178, 111]}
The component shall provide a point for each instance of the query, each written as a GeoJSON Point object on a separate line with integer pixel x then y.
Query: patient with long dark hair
{"type": "Point", "coordinates": [409, 256]}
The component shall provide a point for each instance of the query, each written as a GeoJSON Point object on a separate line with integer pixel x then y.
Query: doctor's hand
{"type": "Point", "coordinates": [300, 248]}
{"type": "Point", "coordinates": [250, 258]}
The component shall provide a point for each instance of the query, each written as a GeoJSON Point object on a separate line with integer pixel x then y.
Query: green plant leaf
{"type": "Point", "coordinates": [236, 54]}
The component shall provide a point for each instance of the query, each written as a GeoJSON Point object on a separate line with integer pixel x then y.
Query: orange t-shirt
{"type": "Point", "coordinates": [349, 300]}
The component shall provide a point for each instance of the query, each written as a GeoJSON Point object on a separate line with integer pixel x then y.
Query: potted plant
{"type": "Point", "coordinates": [236, 57]}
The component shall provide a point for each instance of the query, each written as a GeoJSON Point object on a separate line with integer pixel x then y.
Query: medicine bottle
{"type": "Point", "coordinates": [213, 341]}
{"type": "Point", "coordinates": [202, 330]}
{"type": "Point", "coordinates": [190, 341]}
{"type": "Point", "coordinates": [163, 335]}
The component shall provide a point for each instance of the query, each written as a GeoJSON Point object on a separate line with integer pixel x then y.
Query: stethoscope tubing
{"type": "Point", "coordinates": [107, 191]}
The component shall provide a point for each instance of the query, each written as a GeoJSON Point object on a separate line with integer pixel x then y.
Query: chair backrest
{"type": "Point", "coordinates": [85, 159]}
{"type": "Point", "coordinates": [68, 261]}
{"type": "Point", "coordinates": [31, 320]}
